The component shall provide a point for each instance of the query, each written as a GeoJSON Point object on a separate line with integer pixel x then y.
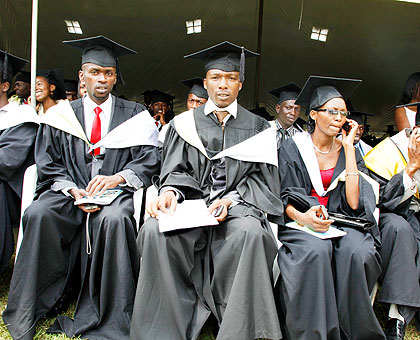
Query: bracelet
{"type": "Point", "coordinates": [352, 174]}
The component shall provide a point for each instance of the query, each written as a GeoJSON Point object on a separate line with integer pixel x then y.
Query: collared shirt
{"type": "Point", "coordinates": [363, 147]}
{"type": "Point", "coordinates": [283, 134]}
{"type": "Point", "coordinates": [232, 109]}
{"type": "Point", "coordinates": [89, 106]}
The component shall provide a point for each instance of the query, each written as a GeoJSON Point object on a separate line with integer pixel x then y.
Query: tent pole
{"type": "Point", "coordinates": [259, 43]}
{"type": "Point", "coordinates": [34, 42]}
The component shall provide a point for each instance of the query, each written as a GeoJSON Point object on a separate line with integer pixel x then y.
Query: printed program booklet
{"type": "Point", "coordinates": [105, 199]}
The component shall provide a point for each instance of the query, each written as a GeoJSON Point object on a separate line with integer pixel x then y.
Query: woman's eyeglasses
{"type": "Point", "coordinates": [335, 112]}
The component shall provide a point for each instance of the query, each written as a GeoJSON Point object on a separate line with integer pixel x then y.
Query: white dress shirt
{"type": "Point", "coordinates": [232, 109]}
{"type": "Point", "coordinates": [88, 107]}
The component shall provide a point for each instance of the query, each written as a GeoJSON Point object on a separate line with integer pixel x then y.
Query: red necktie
{"type": "Point", "coordinates": [96, 129]}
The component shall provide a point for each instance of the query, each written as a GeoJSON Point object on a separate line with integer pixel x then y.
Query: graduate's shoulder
{"type": "Point", "coordinates": [252, 120]}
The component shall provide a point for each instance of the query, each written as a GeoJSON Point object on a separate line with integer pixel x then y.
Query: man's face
{"type": "Point", "coordinates": [99, 81]}
{"type": "Point", "coordinates": [82, 89]}
{"type": "Point", "coordinates": [23, 90]}
{"type": "Point", "coordinates": [4, 88]}
{"type": "Point", "coordinates": [71, 95]}
{"type": "Point", "coordinates": [159, 110]}
{"type": "Point", "coordinates": [287, 113]}
{"type": "Point", "coordinates": [194, 101]}
{"type": "Point", "coordinates": [223, 87]}
{"type": "Point", "coordinates": [359, 133]}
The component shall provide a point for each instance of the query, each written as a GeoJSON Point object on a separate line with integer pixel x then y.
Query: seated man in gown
{"type": "Point", "coordinates": [77, 155]}
{"type": "Point", "coordinates": [225, 155]}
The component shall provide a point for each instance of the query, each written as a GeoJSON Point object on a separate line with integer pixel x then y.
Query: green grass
{"type": "Point", "coordinates": [411, 333]}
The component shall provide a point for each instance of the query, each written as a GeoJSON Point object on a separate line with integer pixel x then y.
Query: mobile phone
{"type": "Point", "coordinates": [346, 127]}
{"type": "Point", "coordinates": [322, 213]}
{"type": "Point", "coordinates": [408, 132]}
{"type": "Point", "coordinates": [91, 206]}
{"type": "Point", "coordinates": [216, 212]}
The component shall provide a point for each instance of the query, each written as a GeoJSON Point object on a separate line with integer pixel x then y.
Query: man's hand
{"type": "Point", "coordinates": [226, 202]}
{"type": "Point", "coordinates": [78, 194]}
{"type": "Point", "coordinates": [163, 202]}
{"type": "Point", "coordinates": [160, 118]}
{"type": "Point", "coordinates": [100, 183]}
{"type": "Point", "coordinates": [413, 152]}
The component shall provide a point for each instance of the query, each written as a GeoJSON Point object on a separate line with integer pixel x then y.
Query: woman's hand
{"type": "Point", "coordinates": [348, 137]}
{"type": "Point", "coordinates": [311, 220]}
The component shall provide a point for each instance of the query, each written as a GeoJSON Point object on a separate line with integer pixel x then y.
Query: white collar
{"type": "Point", "coordinates": [210, 106]}
{"type": "Point", "coordinates": [89, 105]}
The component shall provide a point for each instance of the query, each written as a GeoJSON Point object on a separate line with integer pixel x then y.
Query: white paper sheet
{"type": "Point", "coordinates": [331, 233]}
{"type": "Point", "coordinates": [188, 214]}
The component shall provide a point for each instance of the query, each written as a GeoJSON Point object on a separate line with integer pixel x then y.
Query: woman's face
{"type": "Point", "coordinates": [327, 123]}
{"type": "Point", "coordinates": [43, 89]}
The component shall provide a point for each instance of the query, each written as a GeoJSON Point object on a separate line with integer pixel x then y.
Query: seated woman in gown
{"type": "Point", "coordinates": [325, 283]}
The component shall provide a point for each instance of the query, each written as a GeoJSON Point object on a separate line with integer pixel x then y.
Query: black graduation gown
{"type": "Point", "coordinates": [224, 269]}
{"type": "Point", "coordinates": [16, 154]}
{"type": "Point", "coordinates": [55, 237]}
{"type": "Point", "coordinates": [400, 251]}
{"type": "Point", "coordinates": [325, 284]}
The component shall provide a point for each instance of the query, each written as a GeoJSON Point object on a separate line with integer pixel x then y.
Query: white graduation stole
{"type": "Point", "coordinates": [14, 114]}
{"type": "Point", "coordinates": [261, 148]}
{"type": "Point", "coordinates": [304, 144]}
{"type": "Point", "coordinates": [138, 130]}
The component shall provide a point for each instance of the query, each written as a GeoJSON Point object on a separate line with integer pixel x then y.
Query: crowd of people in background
{"type": "Point", "coordinates": [310, 192]}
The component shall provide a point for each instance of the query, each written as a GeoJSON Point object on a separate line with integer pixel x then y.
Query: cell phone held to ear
{"type": "Point", "coordinates": [408, 132]}
{"type": "Point", "coordinates": [346, 127]}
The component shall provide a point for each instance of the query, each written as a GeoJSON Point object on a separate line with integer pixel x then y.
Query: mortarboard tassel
{"type": "Point", "coordinates": [242, 66]}
{"type": "Point", "coordinates": [120, 79]}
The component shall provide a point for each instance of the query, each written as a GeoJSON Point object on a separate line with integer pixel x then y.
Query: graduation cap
{"type": "Point", "coordinates": [153, 96]}
{"type": "Point", "coordinates": [418, 110]}
{"type": "Point", "coordinates": [196, 86]}
{"type": "Point", "coordinates": [24, 76]}
{"type": "Point", "coordinates": [286, 92]}
{"type": "Point", "coordinates": [390, 130]}
{"type": "Point", "coordinates": [55, 77]}
{"type": "Point", "coordinates": [10, 65]}
{"type": "Point", "coordinates": [224, 56]}
{"type": "Point", "coordinates": [71, 85]}
{"type": "Point", "coordinates": [101, 51]}
{"type": "Point", "coordinates": [319, 90]}
{"type": "Point", "coordinates": [360, 117]}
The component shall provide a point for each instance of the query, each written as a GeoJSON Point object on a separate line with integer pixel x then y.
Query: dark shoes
{"type": "Point", "coordinates": [395, 329]}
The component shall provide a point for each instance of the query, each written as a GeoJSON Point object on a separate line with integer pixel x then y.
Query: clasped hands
{"type": "Point", "coordinates": [97, 186]}
{"type": "Point", "coordinates": [167, 203]}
